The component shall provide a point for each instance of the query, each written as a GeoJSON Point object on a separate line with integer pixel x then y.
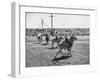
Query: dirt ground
{"type": "Point", "coordinates": [42, 55]}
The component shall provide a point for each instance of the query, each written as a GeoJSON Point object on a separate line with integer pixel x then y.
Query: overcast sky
{"type": "Point", "coordinates": [33, 20]}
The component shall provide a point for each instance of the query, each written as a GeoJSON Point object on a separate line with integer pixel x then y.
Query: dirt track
{"type": "Point", "coordinates": [41, 55]}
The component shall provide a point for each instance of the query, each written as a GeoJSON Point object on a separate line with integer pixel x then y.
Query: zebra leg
{"type": "Point", "coordinates": [56, 46]}
{"type": "Point", "coordinates": [52, 44]}
{"type": "Point", "coordinates": [40, 39]}
{"type": "Point", "coordinates": [57, 54]}
{"type": "Point", "coordinates": [61, 53]}
{"type": "Point", "coordinates": [70, 52]}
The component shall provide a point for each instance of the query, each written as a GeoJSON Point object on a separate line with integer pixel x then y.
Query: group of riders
{"type": "Point", "coordinates": [62, 40]}
{"type": "Point", "coordinates": [53, 36]}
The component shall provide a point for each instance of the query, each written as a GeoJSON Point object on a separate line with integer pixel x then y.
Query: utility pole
{"type": "Point", "coordinates": [42, 23]}
{"type": "Point", "coordinates": [51, 21]}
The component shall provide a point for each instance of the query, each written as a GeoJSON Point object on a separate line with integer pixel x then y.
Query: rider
{"type": "Point", "coordinates": [39, 36]}
{"type": "Point", "coordinates": [66, 37]}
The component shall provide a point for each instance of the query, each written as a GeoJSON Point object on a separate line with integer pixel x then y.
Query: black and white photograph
{"type": "Point", "coordinates": [56, 39]}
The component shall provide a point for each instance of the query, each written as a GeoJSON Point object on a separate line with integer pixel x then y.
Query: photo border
{"type": "Point", "coordinates": [16, 71]}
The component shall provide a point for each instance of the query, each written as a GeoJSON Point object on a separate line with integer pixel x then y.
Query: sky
{"type": "Point", "coordinates": [33, 20]}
